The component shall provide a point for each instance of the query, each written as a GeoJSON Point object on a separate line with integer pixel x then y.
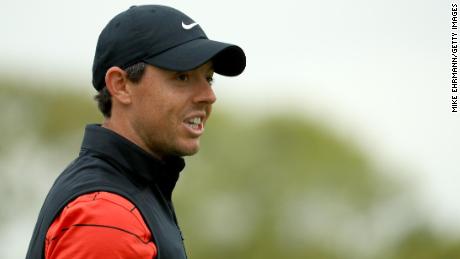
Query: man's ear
{"type": "Point", "coordinates": [117, 84]}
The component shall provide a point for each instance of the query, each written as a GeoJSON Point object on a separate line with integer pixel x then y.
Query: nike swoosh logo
{"type": "Point", "coordinates": [189, 26]}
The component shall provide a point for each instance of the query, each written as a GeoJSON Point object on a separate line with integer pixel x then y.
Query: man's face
{"type": "Point", "coordinates": [169, 109]}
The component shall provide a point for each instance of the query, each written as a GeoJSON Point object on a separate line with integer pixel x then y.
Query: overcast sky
{"type": "Point", "coordinates": [376, 71]}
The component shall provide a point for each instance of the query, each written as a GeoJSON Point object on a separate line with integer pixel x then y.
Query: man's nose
{"type": "Point", "coordinates": [205, 93]}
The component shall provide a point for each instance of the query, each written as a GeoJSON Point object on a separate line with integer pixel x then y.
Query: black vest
{"type": "Point", "coordinates": [109, 162]}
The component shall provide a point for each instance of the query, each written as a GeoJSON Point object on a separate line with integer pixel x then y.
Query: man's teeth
{"type": "Point", "coordinates": [194, 122]}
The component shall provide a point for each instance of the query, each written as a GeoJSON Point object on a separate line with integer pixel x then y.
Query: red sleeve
{"type": "Point", "coordinates": [99, 225]}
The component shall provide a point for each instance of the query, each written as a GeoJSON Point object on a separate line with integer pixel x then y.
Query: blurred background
{"type": "Point", "coordinates": [336, 142]}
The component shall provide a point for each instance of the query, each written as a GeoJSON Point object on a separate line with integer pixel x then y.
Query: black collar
{"type": "Point", "coordinates": [131, 157]}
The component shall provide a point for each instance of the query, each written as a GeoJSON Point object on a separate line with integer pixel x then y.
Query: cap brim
{"type": "Point", "coordinates": [228, 59]}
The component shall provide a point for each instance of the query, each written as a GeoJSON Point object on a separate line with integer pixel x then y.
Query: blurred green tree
{"type": "Point", "coordinates": [273, 186]}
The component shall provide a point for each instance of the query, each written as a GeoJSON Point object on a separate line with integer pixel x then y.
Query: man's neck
{"type": "Point", "coordinates": [129, 133]}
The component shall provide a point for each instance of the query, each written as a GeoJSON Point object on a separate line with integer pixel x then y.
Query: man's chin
{"type": "Point", "coordinates": [188, 150]}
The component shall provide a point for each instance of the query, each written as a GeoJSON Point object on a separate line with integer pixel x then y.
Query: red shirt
{"type": "Point", "coordinates": [99, 225]}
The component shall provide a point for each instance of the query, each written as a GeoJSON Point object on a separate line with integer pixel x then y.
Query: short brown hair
{"type": "Point", "coordinates": [104, 99]}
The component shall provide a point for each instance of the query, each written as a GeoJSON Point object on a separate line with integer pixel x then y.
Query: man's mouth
{"type": "Point", "coordinates": [195, 123]}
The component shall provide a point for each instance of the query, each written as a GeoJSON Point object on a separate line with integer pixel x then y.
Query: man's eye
{"type": "Point", "coordinates": [182, 77]}
{"type": "Point", "coordinates": [210, 80]}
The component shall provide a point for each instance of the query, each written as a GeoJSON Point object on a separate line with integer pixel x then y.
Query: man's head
{"type": "Point", "coordinates": [153, 69]}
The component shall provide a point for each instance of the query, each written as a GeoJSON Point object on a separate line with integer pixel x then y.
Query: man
{"type": "Point", "coordinates": [153, 69]}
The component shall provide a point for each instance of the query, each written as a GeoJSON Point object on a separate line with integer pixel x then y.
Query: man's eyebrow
{"type": "Point", "coordinates": [210, 67]}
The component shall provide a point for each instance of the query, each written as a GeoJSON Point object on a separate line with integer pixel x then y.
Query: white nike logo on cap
{"type": "Point", "coordinates": [189, 26]}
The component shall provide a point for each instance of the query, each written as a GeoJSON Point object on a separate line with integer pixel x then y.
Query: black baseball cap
{"type": "Point", "coordinates": [164, 37]}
